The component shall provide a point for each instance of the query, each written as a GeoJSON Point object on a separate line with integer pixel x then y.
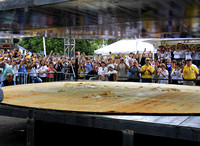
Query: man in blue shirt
{"type": "Point", "coordinates": [169, 67]}
{"type": "Point", "coordinates": [88, 67]}
{"type": "Point", "coordinates": [58, 66]}
{"type": "Point", "coordinates": [22, 71]}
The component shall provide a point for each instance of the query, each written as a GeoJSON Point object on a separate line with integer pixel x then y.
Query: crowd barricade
{"type": "Point", "coordinates": [33, 77]}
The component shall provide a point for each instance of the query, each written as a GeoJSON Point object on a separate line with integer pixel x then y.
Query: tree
{"type": "Point", "coordinates": [35, 44]}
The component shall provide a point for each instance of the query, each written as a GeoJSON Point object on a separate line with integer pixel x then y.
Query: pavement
{"type": "Point", "coordinates": [12, 131]}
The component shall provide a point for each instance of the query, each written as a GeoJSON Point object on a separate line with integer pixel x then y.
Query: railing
{"type": "Point", "coordinates": [33, 77]}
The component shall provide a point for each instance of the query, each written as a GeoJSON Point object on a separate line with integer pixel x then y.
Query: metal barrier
{"type": "Point", "coordinates": [34, 77]}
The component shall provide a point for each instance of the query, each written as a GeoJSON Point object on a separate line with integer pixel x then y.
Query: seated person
{"type": "Point", "coordinates": [9, 81]}
{"type": "Point", "coordinates": [112, 74]}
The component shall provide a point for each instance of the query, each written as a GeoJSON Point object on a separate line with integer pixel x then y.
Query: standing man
{"type": "Point", "coordinates": [190, 73]}
{"type": "Point", "coordinates": [134, 71]}
{"type": "Point", "coordinates": [147, 71]}
{"type": "Point", "coordinates": [6, 69]}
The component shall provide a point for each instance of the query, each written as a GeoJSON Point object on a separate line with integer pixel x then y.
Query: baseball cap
{"type": "Point", "coordinates": [147, 59]}
{"type": "Point", "coordinates": [110, 65]}
{"type": "Point", "coordinates": [189, 59]}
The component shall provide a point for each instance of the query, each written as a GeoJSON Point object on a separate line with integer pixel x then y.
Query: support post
{"type": "Point", "coordinates": [76, 69]}
{"type": "Point", "coordinates": [30, 130]}
{"type": "Point", "coordinates": [128, 137]}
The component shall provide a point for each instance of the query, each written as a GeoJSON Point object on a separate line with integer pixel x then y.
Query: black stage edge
{"type": "Point", "coordinates": [123, 128]}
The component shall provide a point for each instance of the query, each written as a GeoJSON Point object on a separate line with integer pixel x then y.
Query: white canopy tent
{"type": "Point", "coordinates": [125, 47]}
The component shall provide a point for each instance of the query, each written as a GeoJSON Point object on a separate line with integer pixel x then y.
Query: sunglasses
{"type": "Point", "coordinates": [9, 76]}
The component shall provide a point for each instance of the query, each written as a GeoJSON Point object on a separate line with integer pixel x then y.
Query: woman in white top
{"type": "Point", "coordinates": [176, 74]}
{"type": "Point", "coordinates": [162, 55]}
{"type": "Point", "coordinates": [177, 54]}
{"type": "Point", "coordinates": [42, 69]}
{"type": "Point", "coordinates": [163, 74]}
{"type": "Point", "coordinates": [15, 67]}
{"type": "Point", "coordinates": [188, 54]}
{"type": "Point", "coordinates": [168, 54]}
{"type": "Point", "coordinates": [102, 71]}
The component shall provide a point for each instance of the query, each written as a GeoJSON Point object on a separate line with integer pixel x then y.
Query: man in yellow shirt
{"type": "Point", "coordinates": [147, 71]}
{"type": "Point", "coordinates": [190, 73]}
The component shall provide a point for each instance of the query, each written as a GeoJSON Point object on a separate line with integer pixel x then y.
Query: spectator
{"type": "Point", "coordinates": [92, 73]}
{"type": "Point", "coordinates": [188, 54]}
{"type": "Point", "coordinates": [169, 67]}
{"type": "Point", "coordinates": [102, 71]}
{"type": "Point", "coordinates": [190, 73]}
{"type": "Point", "coordinates": [135, 71]}
{"type": "Point", "coordinates": [51, 70]}
{"type": "Point", "coordinates": [6, 69]}
{"type": "Point", "coordinates": [176, 74]}
{"type": "Point", "coordinates": [163, 74]}
{"type": "Point", "coordinates": [156, 69]}
{"type": "Point", "coordinates": [81, 71]}
{"type": "Point", "coordinates": [42, 69]}
{"type": "Point", "coordinates": [112, 74]}
{"type": "Point", "coordinates": [15, 67]}
{"type": "Point", "coordinates": [177, 54]}
{"type": "Point", "coordinates": [71, 66]}
{"type": "Point", "coordinates": [196, 56]}
{"type": "Point", "coordinates": [144, 56]}
{"type": "Point", "coordinates": [147, 71]}
{"type": "Point", "coordinates": [88, 66]}
{"type": "Point", "coordinates": [58, 66]}
{"type": "Point", "coordinates": [29, 66]}
{"type": "Point", "coordinates": [130, 56]}
{"type": "Point", "coordinates": [22, 72]}
{"type": "Point", "coordinates": [168, 54]}
{"type": "Point", "coordinates": [34, 75]}
{"type": "Point", "coordinates": [122, 69]}
{"type": "Point", "coordinates": [8, 82]}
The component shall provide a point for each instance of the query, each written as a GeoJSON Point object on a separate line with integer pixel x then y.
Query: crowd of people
{"type": "Point", "coordinates": [176, 64]}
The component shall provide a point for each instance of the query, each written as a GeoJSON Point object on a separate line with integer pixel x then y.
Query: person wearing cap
{"type": "Point", "coordinates": [190, 73]}
{"type": "Point", "coordinates": [112, 74]}
{"type": "Point", "coordinates": [147, 71]}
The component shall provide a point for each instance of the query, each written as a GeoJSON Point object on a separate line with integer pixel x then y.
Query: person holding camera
{"type": "Point", "coordinates": [122, 69]}
{"type": "Point", "coordinates": [58, 66]}
{"type": "Point", "coordinates": [134, 71]}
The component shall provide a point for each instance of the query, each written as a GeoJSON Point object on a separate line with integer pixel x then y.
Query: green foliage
{"type": "Point", "coordinates": [35, 44]}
